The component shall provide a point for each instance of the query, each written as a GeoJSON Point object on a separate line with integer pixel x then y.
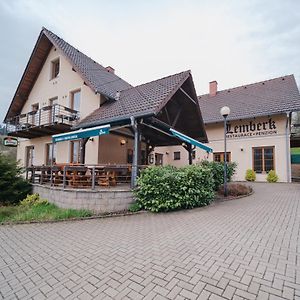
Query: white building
{"type": "Point", "coordinates": [258, 130]}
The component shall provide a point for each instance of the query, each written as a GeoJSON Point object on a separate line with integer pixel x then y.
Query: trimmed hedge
{"type": "Point", "coordinates": [169, 188]}
{"type": "Point", "coordinates": [217, 169]}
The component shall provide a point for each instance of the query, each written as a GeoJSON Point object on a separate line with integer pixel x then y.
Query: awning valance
{"type": "Point", "coordinates": [190, 140]}
{"type": "Point", "coordinates": [81, 134]}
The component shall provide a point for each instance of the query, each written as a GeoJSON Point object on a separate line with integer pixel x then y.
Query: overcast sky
{"type": "Point", "coordinates": [234, 42]}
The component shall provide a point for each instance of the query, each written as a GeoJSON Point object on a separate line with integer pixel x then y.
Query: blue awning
{"type": "Point", "coordinates": [80, 134]}
{"type": "Point", "coordinates": [190, 140]}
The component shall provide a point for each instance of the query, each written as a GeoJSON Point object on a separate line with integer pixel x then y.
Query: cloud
{"type": "Point", "coordinates": [234, 42]}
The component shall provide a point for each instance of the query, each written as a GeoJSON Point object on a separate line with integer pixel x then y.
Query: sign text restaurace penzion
{"type": "Point", "coordinates": [251, 128]}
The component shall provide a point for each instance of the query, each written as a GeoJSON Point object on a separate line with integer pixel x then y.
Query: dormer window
{"type": "Point", "coordinates": [55, 68]}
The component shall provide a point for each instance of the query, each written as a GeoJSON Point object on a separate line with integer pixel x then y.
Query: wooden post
{"type": "Point", "coordinates": [189, 149]}
{"type": "Point", "coordinates": [64, 177]}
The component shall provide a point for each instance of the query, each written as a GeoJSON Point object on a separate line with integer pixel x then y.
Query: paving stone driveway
{"type": "Point", "coordinates": [241, 249]}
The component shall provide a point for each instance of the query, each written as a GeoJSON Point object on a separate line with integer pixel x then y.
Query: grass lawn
{"type": "Point", "coordinates": [42, 212]}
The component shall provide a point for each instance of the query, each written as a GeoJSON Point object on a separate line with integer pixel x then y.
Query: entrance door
{"type": "Point", "coordinates": [35, 115]}
{"type": "Point", "coordinates": [52, 103]}
{"type": "Point", "coordinates": [158, 159]}
{"type": "Point", "coordinates": [29, 156]}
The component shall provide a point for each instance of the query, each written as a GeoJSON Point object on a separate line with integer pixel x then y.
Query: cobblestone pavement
{"type": "Point", "coordinates": [240, 249]}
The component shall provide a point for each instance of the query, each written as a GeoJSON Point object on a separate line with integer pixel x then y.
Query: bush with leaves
{"type": "Point", "coordinates": [13, 187]}
{"type": "Point", "coordinates": [33, 200]}
{"type": "Point", "coordinates": [217, 169]}
{"type": "Point", "coordinates": [272, 176]}
{"type": "Point", "coordinates": [169, 188]}
{"type": "Point", "coordinates": [250, 175]}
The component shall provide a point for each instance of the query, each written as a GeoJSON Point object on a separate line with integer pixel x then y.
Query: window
{"type": "Point", "coordinates": [75, 152]}
{"type": "Point", "coordinates": [29, 156]}
{"type": "Point", "coordinates": [194, 154]}
{"type": "Point", "coordinates": [177, 155]}
{"type": "Point", "coordinates": [263, 159]}
{"type": "Point", "coordinates": [219, 156]}
{"type": "Point", "coordinates": [75, 100]}
{"type": "Point", "coordinates": [54, 68]}
{"type": "Point", "coordinates": [49, 154]}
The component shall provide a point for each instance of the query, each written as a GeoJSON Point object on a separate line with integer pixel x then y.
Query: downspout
{"type": "Point", "coordinates": [288, 148]}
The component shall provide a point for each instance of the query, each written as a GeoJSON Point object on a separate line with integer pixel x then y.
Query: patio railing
{"type": "Point", "coordinates": [80, 176]}
{"type": "Point", "coordinates": [38, 122]}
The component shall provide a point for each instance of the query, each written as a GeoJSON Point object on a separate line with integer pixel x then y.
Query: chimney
{"type": "Point", "coordinates": [110, 69]}
{"type": "Point", "coordinates": [213, 88]}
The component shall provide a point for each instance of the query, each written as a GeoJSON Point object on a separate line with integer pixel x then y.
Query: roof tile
{"type": "Point", "coordinates": [268, 97]}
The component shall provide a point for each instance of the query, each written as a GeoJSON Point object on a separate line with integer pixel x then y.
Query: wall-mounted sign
{"type": "Point", "coordinates": [251, 129]}
{"type": "Point", "coordinates": [10, 141]}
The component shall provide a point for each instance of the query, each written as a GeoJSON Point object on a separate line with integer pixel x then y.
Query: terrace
{"type": "Point", "coordinates": [81, 176]}
{"type": "Point", "coordinates": [47, 120]}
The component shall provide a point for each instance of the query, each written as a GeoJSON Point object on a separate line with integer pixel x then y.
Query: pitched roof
{"type": "Point", "coordinates": [94, 75]}
{"type": "Point", "coordinates": [274, 96]}
{"type": "Point", "coordinates": [142, 100]}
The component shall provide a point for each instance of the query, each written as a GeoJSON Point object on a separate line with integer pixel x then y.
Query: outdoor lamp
{"type": "Point", "coordinates": [123, 142]}
{"type": "Point", "coordinates": [225, 111]}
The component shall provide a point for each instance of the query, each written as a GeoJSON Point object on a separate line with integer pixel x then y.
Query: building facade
{"type": "Point", "coordinates": [63, 90]}
{"type": "Point", "coordinates": [258, 128]}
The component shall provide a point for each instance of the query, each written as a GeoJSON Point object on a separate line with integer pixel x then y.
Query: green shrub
{"type": "Point", "coordinates": [33, 200]}
{"type": "Point", "coordinates": [169, 188]}
{"type": "Point", "coordinates": [272, 176]}
{"type": "Point", "coordinates": [134, 207]}
{"type": "Point", "coordinates": [13, 187]}
{"type": "Point", "coordinates": [250, 175]}
{"type": "Point", "coordinates": [217, 169]}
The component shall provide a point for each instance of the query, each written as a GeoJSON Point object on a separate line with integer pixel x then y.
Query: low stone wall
{"type": "Point", "coordinates": [101, 201]}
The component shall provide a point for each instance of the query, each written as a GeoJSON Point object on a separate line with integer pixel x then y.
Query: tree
{"type": "Point", "coordinates": [13, 187]}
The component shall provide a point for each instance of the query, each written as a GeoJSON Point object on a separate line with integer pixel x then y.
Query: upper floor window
{"type": "Point", "coordinates": [75, 100]}
{"type": "Point", "coordinates": [55, 68]}
{"type": "Point", "coordinates": [177, 155]}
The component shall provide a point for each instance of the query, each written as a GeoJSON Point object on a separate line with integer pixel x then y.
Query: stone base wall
{"type": "Point", "coordinates": [100, 201]}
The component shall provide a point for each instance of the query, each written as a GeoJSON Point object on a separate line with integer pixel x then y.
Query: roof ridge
{"type": "Point", "coordinates": [50, 35]}
{"type": "Point", "coordinates": [168, 76]}
{"type": "Point", "coordinates": [250, 84]}
{"type": "Point", "coordinates": [51, 32]}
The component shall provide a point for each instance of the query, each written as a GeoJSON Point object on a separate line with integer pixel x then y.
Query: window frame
{"type": "Point", "coordinates": [48, 154]}
{"type": "Point", "coordinates": [29, 155]}
{"type": "Point", "coordinates": [54, 63]}
{"type": "Point", "coordinates": [176, 153]}
{"type": "Point", "coordinates": [72, 143]}
{"type": "Point", "coordinates": [222, 155]}
{"type": "Point", "coordinates": [72, 93]}
{"type": "Point", "coordinates": [263, 159]}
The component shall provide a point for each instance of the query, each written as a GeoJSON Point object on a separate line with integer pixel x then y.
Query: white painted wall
{"type": "Point", "coordinates": [43, 90]}
{"type": "Point", "coordinates": [215, 133]}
